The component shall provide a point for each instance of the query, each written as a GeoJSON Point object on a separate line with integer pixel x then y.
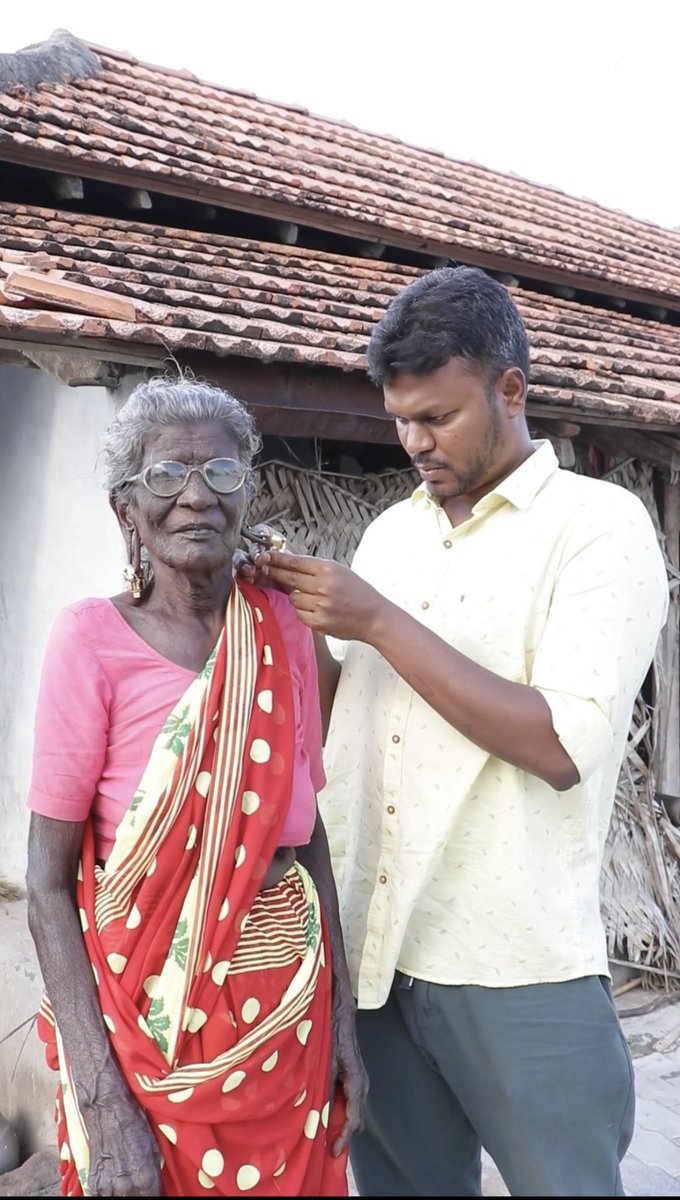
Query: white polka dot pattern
{"type": "Point", "coordinates": [250, 1010]}
{"type": "Point", "coordinates": [212, 1163]}
{"type": "Point", "coordinates": [134, 919]}
{"type": "Point", "coordinates": [203, 783]}
{"type": "Point", "coordinates": [247, 1177]}
{"type": "Point", "coordinates": [260, 751]}
{"type": "Point", "coordinates": [312, 1123]}
{"type": "Point", "coordinates": [234, 1080]}
{"type": "Point", "coordinates": [219, 972]}
{"type": "Point", "coordinates": [250, 803]}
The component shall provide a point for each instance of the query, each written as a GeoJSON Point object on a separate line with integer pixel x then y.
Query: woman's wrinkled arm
{"type": "Point", "coordinates": [348, 1067]}
{"type": "Point", "coordinates": [124, 1155]}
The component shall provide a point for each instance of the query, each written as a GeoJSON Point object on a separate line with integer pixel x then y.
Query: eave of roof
{"type": "Point", "coordinates": [196, 292]}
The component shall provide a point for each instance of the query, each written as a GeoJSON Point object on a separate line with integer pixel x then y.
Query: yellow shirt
{"type": "Point", "coordinates": [452, 865]}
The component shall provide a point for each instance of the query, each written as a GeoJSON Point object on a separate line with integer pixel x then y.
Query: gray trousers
{"type": "Point", "coordinates": [540, 1076]}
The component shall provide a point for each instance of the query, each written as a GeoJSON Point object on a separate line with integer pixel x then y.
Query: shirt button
{"type": "Point", "coordinates": [448, 544]}
{"type": "Point", "coordinates": [395, 738]}
{"type": "Point", "coordinates": [425, 604]}
{"type": "Point", "coordinates": [383, 878]}
{"type": "Point", "coordinates": [391, 809]}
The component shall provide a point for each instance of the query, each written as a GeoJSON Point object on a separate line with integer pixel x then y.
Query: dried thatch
{"type": "Point", "coordinates": [321, 513]}
{"type": "Point", "coordinates": [325, 514]}
{"type": "Point", "coordinates": [641, 876]}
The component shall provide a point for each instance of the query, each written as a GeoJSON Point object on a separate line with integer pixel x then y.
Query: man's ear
{"type": "Point", "coordinates": [513, 388]}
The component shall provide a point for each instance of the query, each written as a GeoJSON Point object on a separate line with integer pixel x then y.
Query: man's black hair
{"type": "Point", "coordinates": [455, 312]}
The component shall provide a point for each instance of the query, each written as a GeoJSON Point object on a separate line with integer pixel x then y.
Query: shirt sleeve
{"type": "Point", "coordinates": [71, 724]}
{"type": "Point", "coordinates": [608, 607]}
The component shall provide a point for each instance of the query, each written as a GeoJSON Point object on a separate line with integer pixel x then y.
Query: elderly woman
{"type": "Point", "coordinates": [197, 1006]}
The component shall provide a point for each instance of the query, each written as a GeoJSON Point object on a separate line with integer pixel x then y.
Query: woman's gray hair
{"type": "Point", "coordinates": [167, 400]}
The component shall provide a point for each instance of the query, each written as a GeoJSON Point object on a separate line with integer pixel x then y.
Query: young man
{"type": "Point", "coordinates": [496, 630]}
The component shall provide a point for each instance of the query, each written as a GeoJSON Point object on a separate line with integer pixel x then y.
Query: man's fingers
{"type": "Point", "coordinates": [297, 563]}
{"type": "Point", "coordinates": [293, 580]}
{"type": "Point", "coordinates": [303, 602]}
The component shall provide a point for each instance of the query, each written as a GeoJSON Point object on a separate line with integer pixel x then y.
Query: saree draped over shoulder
{"type": "Point", "coordinates": [216, 996]}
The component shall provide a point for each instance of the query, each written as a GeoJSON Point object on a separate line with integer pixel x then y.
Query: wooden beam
{"type": "Point", "coordinates": [67, 187]}
{"type": "Point", "coordinates": [283, 386]}
{"type": "Point", "coordinates": [287, 232]}
{"type": "Point", "coordinates": [267, 206]}
{"type": "Point", "coordinates": [548, 409]}
{"type": "Point", "coordinates": [341, 427]}
{"type": "Point", "coordinates": [564, 293]}
{"type": "Point", "coordinates": [127, 354]}
{"type": "Point", "coordinates": [663, 452]}
{"type": "Point", "coordinates": [137, 199]}
{"type": "Point", "coordinates": [371, 249]}
{"type": "Point", "coordinates": [556, 427]}
{"type": "Point", "coordinates": [72, 369]}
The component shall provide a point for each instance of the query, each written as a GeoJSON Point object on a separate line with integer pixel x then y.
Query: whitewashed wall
{"type": "Point", "coordinates": [59, 541]}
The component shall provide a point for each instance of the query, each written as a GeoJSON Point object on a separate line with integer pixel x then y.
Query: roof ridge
{"type": "Point", "coordinates": [62, 56]}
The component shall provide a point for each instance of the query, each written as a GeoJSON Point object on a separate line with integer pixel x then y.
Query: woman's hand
{"type": "Point", "coordinates": [124, 1155]}
{"type": "Point", "coordinates": [347, 1067]}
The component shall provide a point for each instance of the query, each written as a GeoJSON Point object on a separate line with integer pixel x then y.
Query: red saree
{"type": "Point", "coordinates": [216, 996]}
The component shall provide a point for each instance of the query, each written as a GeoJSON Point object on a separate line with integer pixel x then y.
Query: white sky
{"type": "Point", "coordinates": [580, 94]}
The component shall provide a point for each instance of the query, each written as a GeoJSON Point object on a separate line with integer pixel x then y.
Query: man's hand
{"type": "Point", "coordinates": [247, 564]}
{"type": "Point", "coordinates": [327, 596]}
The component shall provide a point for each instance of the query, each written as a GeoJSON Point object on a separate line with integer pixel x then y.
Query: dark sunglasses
{"type": "Point", "coordinates": [222, 475]}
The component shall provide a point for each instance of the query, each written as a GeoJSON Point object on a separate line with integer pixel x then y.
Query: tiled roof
{"type": "Point", "coordinates": [227, 296]}
{"type": "Point", "coordinates": [168, 131]}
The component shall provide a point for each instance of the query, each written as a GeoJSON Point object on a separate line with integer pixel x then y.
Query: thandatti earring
{"type": "Point", "coordinates": [134, 572]}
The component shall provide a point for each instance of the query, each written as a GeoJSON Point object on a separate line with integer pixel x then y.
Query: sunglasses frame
{"type": "Point", "coordinates": [190, 470]}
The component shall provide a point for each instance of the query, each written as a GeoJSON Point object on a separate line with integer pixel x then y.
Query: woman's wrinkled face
{"type": "Point", "coordinates": [198, 530]}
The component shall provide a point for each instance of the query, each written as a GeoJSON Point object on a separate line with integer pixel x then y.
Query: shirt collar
{"type": "Point", "coordinates": [521, 487]}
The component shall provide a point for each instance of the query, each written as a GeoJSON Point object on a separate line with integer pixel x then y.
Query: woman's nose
{"type": "Point", "coordinates": [197, 494]}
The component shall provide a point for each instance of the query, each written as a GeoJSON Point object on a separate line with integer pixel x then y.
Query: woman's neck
{"type": "Point", "coordinates": [185, 595]}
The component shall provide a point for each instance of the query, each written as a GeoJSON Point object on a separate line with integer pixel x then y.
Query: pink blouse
{"type": "Point", "coordinates": [104, 695]}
